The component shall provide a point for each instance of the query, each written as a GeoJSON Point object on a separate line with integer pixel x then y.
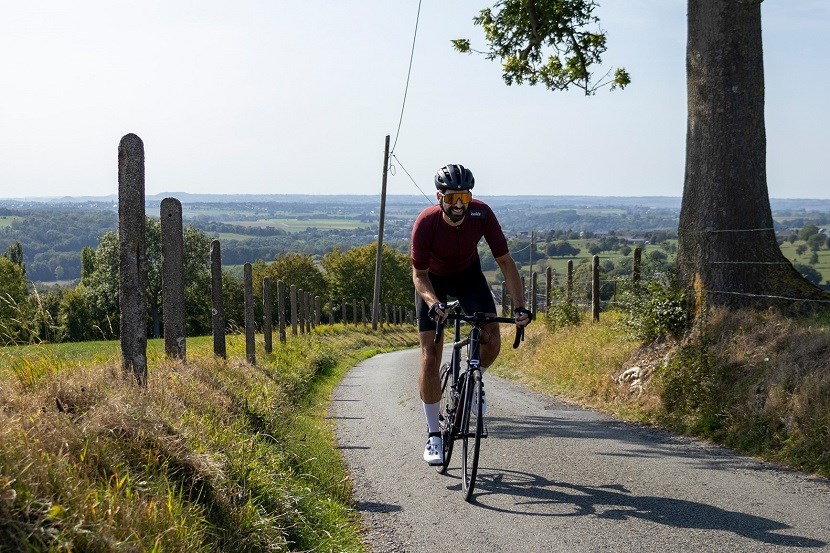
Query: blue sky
{"type": "Point", "coordinates": [281, 97]}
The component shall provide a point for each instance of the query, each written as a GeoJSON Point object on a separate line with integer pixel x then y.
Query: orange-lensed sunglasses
{"type": "Point", "coordinates": [450, 198]}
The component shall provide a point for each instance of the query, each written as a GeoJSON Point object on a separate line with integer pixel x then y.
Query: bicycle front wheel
{"type": "Point", "coordinates": [472, 427]}
{"type": "Point", "coordinates": [447, 414]}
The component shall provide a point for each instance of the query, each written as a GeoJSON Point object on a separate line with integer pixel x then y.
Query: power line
{"type": "Point", "coordinates": [408, 74]}
{"type": "Point", "coordinates": [430, 200]}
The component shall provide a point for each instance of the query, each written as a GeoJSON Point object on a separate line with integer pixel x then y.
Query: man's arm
{"type": "Point", "coordinates": [514, 284]}
{"type": "Point", "coordinates": [423, 286]}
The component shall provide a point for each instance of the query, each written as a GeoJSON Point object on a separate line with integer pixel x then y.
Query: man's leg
{"type": "Point", "coordinates": [490, 344]}
{"type": "Point", "coordinates": [430, 390]}
{"type": "Point", "coordinates": [429, 385]}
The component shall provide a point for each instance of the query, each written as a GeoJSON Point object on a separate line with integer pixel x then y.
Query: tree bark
{"type": "Point", "coordinates": [727, 250]}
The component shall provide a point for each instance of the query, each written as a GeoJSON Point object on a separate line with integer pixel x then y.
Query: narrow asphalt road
{"type": "Point", "coordinates": [554, 477]}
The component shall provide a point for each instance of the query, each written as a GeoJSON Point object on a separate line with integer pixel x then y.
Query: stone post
{"type": "Point", "coordinates": [281, 308]}
{"type": "Point", "coordinates": [548, 285]}
{"type": "Point", "coordinates": [217, 311]}
{"type": "Point", "coordinates": [595, 287]}
{"type": "Point", "coordinates": [132, 256]}
{"type": "Point", "coordinates": [267, 314]}
{"type": "Point", "coordinates": [293, 298]}
{"type": "Point", "coordinates": [172, 278]}
{"type": "Point", "coordinates": [569, 289]}
{"type": "Point", "coordinates": [301, 309]}
{"type": "Point", "coordinates": [638, 255]}
{"type": "Point", "coordinates": [250, 344]}
{"type": "Point", "coordinates": [533, 288]}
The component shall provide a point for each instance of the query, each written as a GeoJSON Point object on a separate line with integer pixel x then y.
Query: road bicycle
{"type": "Point", "coordinates": [462, 393]}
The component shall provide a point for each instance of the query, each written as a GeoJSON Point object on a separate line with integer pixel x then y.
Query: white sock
{"type": "Point", "coordinates": [431, 411]}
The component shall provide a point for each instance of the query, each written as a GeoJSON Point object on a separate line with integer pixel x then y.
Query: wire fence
{"type": "Point", "coordinates": [598, 293]}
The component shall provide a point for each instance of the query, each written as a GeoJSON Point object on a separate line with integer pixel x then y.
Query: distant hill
{"type": "Point", "coordinates": [656, 202]}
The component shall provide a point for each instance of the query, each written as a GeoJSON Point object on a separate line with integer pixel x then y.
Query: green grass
{"type": "Point", "coordinates": [7, 220]}
{"type": "Point", "coordinates": [755, 381]}
{"type": "Point", "coordinates": [213, 455]}
{"type": "Point", "coordinates": [823, 265]}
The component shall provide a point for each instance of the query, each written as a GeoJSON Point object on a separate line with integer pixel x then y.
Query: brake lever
{"type": "Point", "coordinates": [520, 336]}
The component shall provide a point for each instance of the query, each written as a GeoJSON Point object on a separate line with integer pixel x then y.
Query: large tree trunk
{"type": "Point", "coordinates": [727, 249]}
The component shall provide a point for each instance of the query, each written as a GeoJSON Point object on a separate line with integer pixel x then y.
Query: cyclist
{"type": "Point", "coordinates": [445, 262]}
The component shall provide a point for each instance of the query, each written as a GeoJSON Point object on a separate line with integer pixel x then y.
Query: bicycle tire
{"type": "Point", "coordinates": [446, 415]}
{"type": "Point", "coordinates": [472, 427]}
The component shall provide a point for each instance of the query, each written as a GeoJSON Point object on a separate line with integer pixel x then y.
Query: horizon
{"type": "Point", "coordinates": [262, 98]}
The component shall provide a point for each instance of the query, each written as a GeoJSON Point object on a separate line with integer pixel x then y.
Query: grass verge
{"type": "Point", "coordinates": [213, 456]}
{"type": "Point", "coordinates": [755, 381]}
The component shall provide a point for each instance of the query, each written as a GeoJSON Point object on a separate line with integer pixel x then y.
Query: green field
{"type": "Point", "coordinates": [823, 265]}
{"type": "Point", "coordinates": [299, 225]}
{"type": "Point", "coordinates": [7, 220]}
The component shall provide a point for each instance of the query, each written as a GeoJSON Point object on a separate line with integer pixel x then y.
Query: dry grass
{"type": "Point", "coordinates": [209, 457]}
{"type": "Point", "coordinates": [754, 380]}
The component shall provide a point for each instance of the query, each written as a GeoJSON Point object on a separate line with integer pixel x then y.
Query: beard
{"type": "Point", "coordinates": [454, 215]}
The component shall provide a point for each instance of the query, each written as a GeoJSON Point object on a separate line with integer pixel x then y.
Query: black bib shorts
{"type": "Point", "coordinates": [469, 287]}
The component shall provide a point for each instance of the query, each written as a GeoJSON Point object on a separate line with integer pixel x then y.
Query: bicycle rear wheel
{"type": "Point", "coordinates": [472, 426]}
{"type": "Point", "coordinates": [447, 414]}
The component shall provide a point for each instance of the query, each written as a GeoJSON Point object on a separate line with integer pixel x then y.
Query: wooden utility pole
{"type": "Point", "coordinates": [378, 257]}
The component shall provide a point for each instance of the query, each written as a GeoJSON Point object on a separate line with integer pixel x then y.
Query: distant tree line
{"type": "Point", "coordinates": [90, 310]}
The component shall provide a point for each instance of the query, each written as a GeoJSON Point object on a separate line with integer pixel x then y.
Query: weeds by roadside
{"type": "Point", "coordinates": [213, 456]}
{"type": "Point", "coordinates": [756, 381]}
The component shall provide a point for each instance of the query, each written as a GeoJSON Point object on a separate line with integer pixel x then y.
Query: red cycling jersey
{"type": "Point", "coordinates": [444, 249]}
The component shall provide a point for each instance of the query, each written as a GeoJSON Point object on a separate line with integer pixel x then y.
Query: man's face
{"type": "Point", "coordinates": [454, 204]}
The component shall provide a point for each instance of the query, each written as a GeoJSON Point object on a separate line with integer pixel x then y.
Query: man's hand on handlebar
{"type": "Point", "coordinates": [438, 312]}
{"type": "Point", "coordinates": [523, 316]}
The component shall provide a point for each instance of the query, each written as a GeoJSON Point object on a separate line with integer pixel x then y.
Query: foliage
{"type": "Point", "coordinates": [655, 309]}
{"type": "Point", "coordinates": [351, 274]}
{"type": "Point", "coordinates": [298, 270]}
{"type": "Point", "coordinates": [562, 311]}
{"type": "Point", "coordinates": [753, 380]}
{"type": "Point", "coordinates": [102, 281]}
{"type": "Point", "coordinates": [53, 236]}
{"type": "Point", "coordinates": [562, 248]}
{"type": "Point", "coordinates": [808, 272]}
{"type": "Point", "coordinates": [12, 300]}
{"type": "Point", "coordinates": [546, 41]}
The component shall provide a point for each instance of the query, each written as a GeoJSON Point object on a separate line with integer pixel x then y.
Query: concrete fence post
{"type": "Point", "coordinates": [569, 289]}
{"type": "Point", "coordinates": [132, 256]}
{"type": "Point", "coordinates": [250, 344]}
{"type": "Point", "coordinates": [635, 274]}
{"type": "Point", "coordinates": [281, 308]}
{"type": "Point", "coordinates": [293, 300]}
{"type": "Point", "coordinates": [217, 311]}
{"type": "Point", "coordinates": [309, 312]}
{"type": "Point", "coordinates": [172, 278]}
{"type": "Point", "coordinates": [267, 314]}
{"type": "Point", "coordinates": [548, 285]}
{"type": "Point", "coordinates": [533, 289]}
{"type": "Point", "coordinates": [595, 288]}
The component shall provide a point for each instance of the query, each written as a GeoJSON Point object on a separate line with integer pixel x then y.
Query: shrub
{"type": "Point", "coordinates": [562, 311]}
{"type": "Point", "coordinates": [654, 309]}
